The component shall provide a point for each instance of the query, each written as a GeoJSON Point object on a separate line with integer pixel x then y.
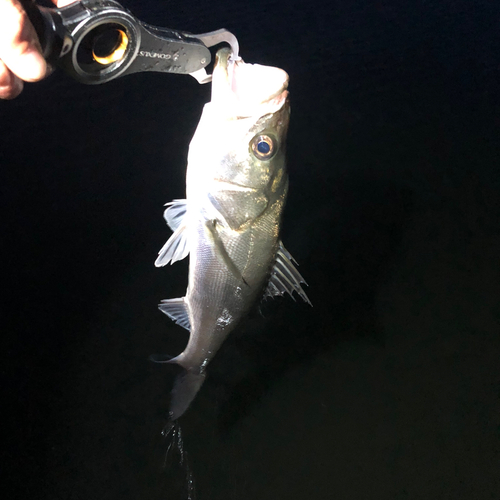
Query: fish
{"type": "Point", "coordinates": [229, 223]}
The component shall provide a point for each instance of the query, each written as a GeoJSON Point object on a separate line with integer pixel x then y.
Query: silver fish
{"type": "Point", "coordinates": [229, 223]}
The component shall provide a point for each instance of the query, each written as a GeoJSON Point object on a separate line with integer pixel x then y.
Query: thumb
{"type": "Point", "coordinates": [19, 46]}
{"type": "Point", "coordinates": [63, 3]}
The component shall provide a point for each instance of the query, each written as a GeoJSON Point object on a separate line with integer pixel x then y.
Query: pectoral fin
{"type": "Point", "coordinates": [285, 277]}
{"type": "Point", "coordinates": [220, 251]}
{"type": "Point", "coordinates": [176, 248]}
{"type": "Point", "coordinates": [238, 205]}
{"type": "Point", "coordinates": [174, 214]}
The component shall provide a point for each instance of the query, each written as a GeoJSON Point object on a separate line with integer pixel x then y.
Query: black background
{"type": "Point", "coordinates": [389, 387]}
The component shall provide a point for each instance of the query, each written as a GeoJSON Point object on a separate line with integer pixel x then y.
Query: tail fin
{"type": "Point", "coordinates": [186, 386]}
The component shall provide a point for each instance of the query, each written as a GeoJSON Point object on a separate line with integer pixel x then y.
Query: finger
{"type": "Point", "coordinates": [19, 46]}
{"type": "Point", "coordinates": [10, 85]}
{"type": "Point", "coordinates": [63, 3]}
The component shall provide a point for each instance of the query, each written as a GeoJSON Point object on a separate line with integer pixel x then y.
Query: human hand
{"type": "Point", "coordinates": [20, 53]}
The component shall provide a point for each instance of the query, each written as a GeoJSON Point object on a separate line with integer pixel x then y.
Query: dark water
{"type": "Point", "coordinates": [388, 388]}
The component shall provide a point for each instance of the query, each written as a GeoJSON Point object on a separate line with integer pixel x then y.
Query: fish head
{"type": "Point", "coordinates": [241, 137]}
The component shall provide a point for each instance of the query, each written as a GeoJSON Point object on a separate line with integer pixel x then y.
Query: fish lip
{"type": "Point", "coordinates": [226, 64]}
{"type": "Point", "coordinates": [247, 86]}
{"type": "Point", "coordinates": [222, 58]}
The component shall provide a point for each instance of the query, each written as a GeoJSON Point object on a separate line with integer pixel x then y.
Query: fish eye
{"type": "Point", "coordinates": [263, 146]}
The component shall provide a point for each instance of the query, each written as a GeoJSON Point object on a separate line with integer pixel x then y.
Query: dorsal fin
{"type": "Point", "coordinates": [285, 277]}
{"type": "Point", "coordinates": [174, 214]}
{"type": "Point", "coordinates": [177, 310]}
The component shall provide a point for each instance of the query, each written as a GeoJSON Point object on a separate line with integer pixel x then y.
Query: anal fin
{"type": "Point", "coordinates": [177, 310]}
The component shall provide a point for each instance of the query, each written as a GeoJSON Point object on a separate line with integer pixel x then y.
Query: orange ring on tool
{"type": "Point", "coordinates": [117, 53]}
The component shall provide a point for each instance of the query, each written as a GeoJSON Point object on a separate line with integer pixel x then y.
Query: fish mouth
{"type": "Point", "coordinates": [247, 89]}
